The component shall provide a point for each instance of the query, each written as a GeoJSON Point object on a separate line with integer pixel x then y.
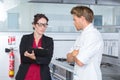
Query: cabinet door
{"type": "Point", "coordinates": [13, 21]}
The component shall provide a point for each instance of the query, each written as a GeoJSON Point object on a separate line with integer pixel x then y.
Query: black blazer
{"type": "Point", "coordinates": [26, 43]}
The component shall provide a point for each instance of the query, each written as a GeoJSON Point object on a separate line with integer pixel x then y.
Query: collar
{"type": "Point", "coordinates": [88, 27]}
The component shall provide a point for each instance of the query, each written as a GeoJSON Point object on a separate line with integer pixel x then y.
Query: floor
{"type": "Point", "coordinates": [111, 72]}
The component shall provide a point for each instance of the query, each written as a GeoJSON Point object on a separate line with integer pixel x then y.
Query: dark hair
{"type": "Point", "coordinates": [37, 17]}
{"type": "Point", "coordinates": [83, 11]}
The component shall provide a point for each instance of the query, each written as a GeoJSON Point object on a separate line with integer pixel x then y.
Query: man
{"type": "Point", "coordinates": [88, 48]}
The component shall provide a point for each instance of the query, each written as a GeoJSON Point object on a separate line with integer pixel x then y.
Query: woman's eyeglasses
{"type": "Point", "coordinates": [42, 24]}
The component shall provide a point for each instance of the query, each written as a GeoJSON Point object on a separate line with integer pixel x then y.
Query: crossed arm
{"type": "Point", "coordinates": [32, 55]}
{"type": "Point", "coordinates": [71, 57]}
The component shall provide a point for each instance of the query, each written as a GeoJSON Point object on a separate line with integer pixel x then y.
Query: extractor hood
{"type": "Point", "coordinates": [45, 1]}
{"type": "Point", "coordinates": [79, 1]}
{"type": "Point", "coordinates": [108, 2]}
{"type": "Point", "coordinates": [64, 1]}
{"type": "Point", "coordinates": [89, 2]}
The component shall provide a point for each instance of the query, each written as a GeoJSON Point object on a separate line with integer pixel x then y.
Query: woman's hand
{"type": "Point", "coordinates": [30, 55]}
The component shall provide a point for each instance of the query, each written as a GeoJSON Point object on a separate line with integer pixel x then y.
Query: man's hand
{"type": "Point", "coordinates": [70, 56]}
{"type": "Point", "coordinates": [75, 53]}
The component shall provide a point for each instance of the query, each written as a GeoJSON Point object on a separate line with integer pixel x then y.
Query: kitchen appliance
{"type": "Point", "coordinates": [65, 60]}
{"type": "Point", "coordinates": [59, 71]}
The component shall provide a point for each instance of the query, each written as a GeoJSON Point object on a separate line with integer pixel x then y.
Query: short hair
{"type": "Point", "coordinates": [83, 11]}
{"type": "Point", "coordinates": [39, 16]}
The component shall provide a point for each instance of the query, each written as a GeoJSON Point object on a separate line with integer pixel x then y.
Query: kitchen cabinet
{"type": "Point", "coordinates": [61, 70]}
{"type": "Point", "coordinates": [64, 41]}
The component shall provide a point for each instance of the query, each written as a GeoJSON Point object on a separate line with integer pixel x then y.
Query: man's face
{"type": "Point", "coordinates": [77, 22]}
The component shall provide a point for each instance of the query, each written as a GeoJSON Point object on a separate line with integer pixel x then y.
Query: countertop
{"type": "Point", "coordinates": [63, 64]}
{"type": "Point", "coordinates": [109, 72]}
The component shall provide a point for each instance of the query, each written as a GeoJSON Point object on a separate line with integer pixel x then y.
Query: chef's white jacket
{"type": "Point", "coordinates": [90, 44]}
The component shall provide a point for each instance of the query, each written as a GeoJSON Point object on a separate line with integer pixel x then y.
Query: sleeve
{"type": "Point", "coordinates": [76, 45]}
{"type": "Point", "coordinates": [47, 59]}
{"type": "Point", "coordinates": [24, 47]}
{"type": "Point", "coordinates": [71, 49]}
{"type": "Point", "coordinates": [91, 46]}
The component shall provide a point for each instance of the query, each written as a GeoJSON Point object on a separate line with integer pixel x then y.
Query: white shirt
{"type": "Point", "coordinates": [90, 44]}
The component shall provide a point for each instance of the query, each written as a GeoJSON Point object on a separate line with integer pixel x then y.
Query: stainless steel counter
{"type": "Point", "coordinates": [109, 71]}
{"type": "Point", "coordinates": [61, 70]}
{"type": "Point", "coordinates": [63, 64]}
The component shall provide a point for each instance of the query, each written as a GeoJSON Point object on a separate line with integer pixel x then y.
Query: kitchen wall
{"type": "Point", "coordinates": [58, 14]}
{"type": "Point", "coordinates": [60, 28]}
{"type": "Point", "coordinates": [62, 44]}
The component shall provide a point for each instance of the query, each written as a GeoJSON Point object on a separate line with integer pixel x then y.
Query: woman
{"type": "Point", "coordinates": [35, 67]}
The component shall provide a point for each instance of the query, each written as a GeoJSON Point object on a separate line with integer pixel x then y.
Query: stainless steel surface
{"type": "Point", "coordinates": [45, 1]}
{"type": "Point", "coordinates": [62, 69]}
{"type": "Point", "coordinates": [109, 71]}
{"type": "Point", "coordinates": [79, 1]}
{"type": "Point", "coordinates": [110, 68]}
{"type": "Point", "coordinates": [108, 2]}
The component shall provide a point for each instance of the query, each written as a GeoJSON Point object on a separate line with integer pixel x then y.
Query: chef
{"type": "Point", "coordinates": [88, 48]}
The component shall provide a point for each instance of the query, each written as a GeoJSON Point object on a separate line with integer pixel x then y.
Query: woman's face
{"type": "Point", "coordinates": [41, 26]}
